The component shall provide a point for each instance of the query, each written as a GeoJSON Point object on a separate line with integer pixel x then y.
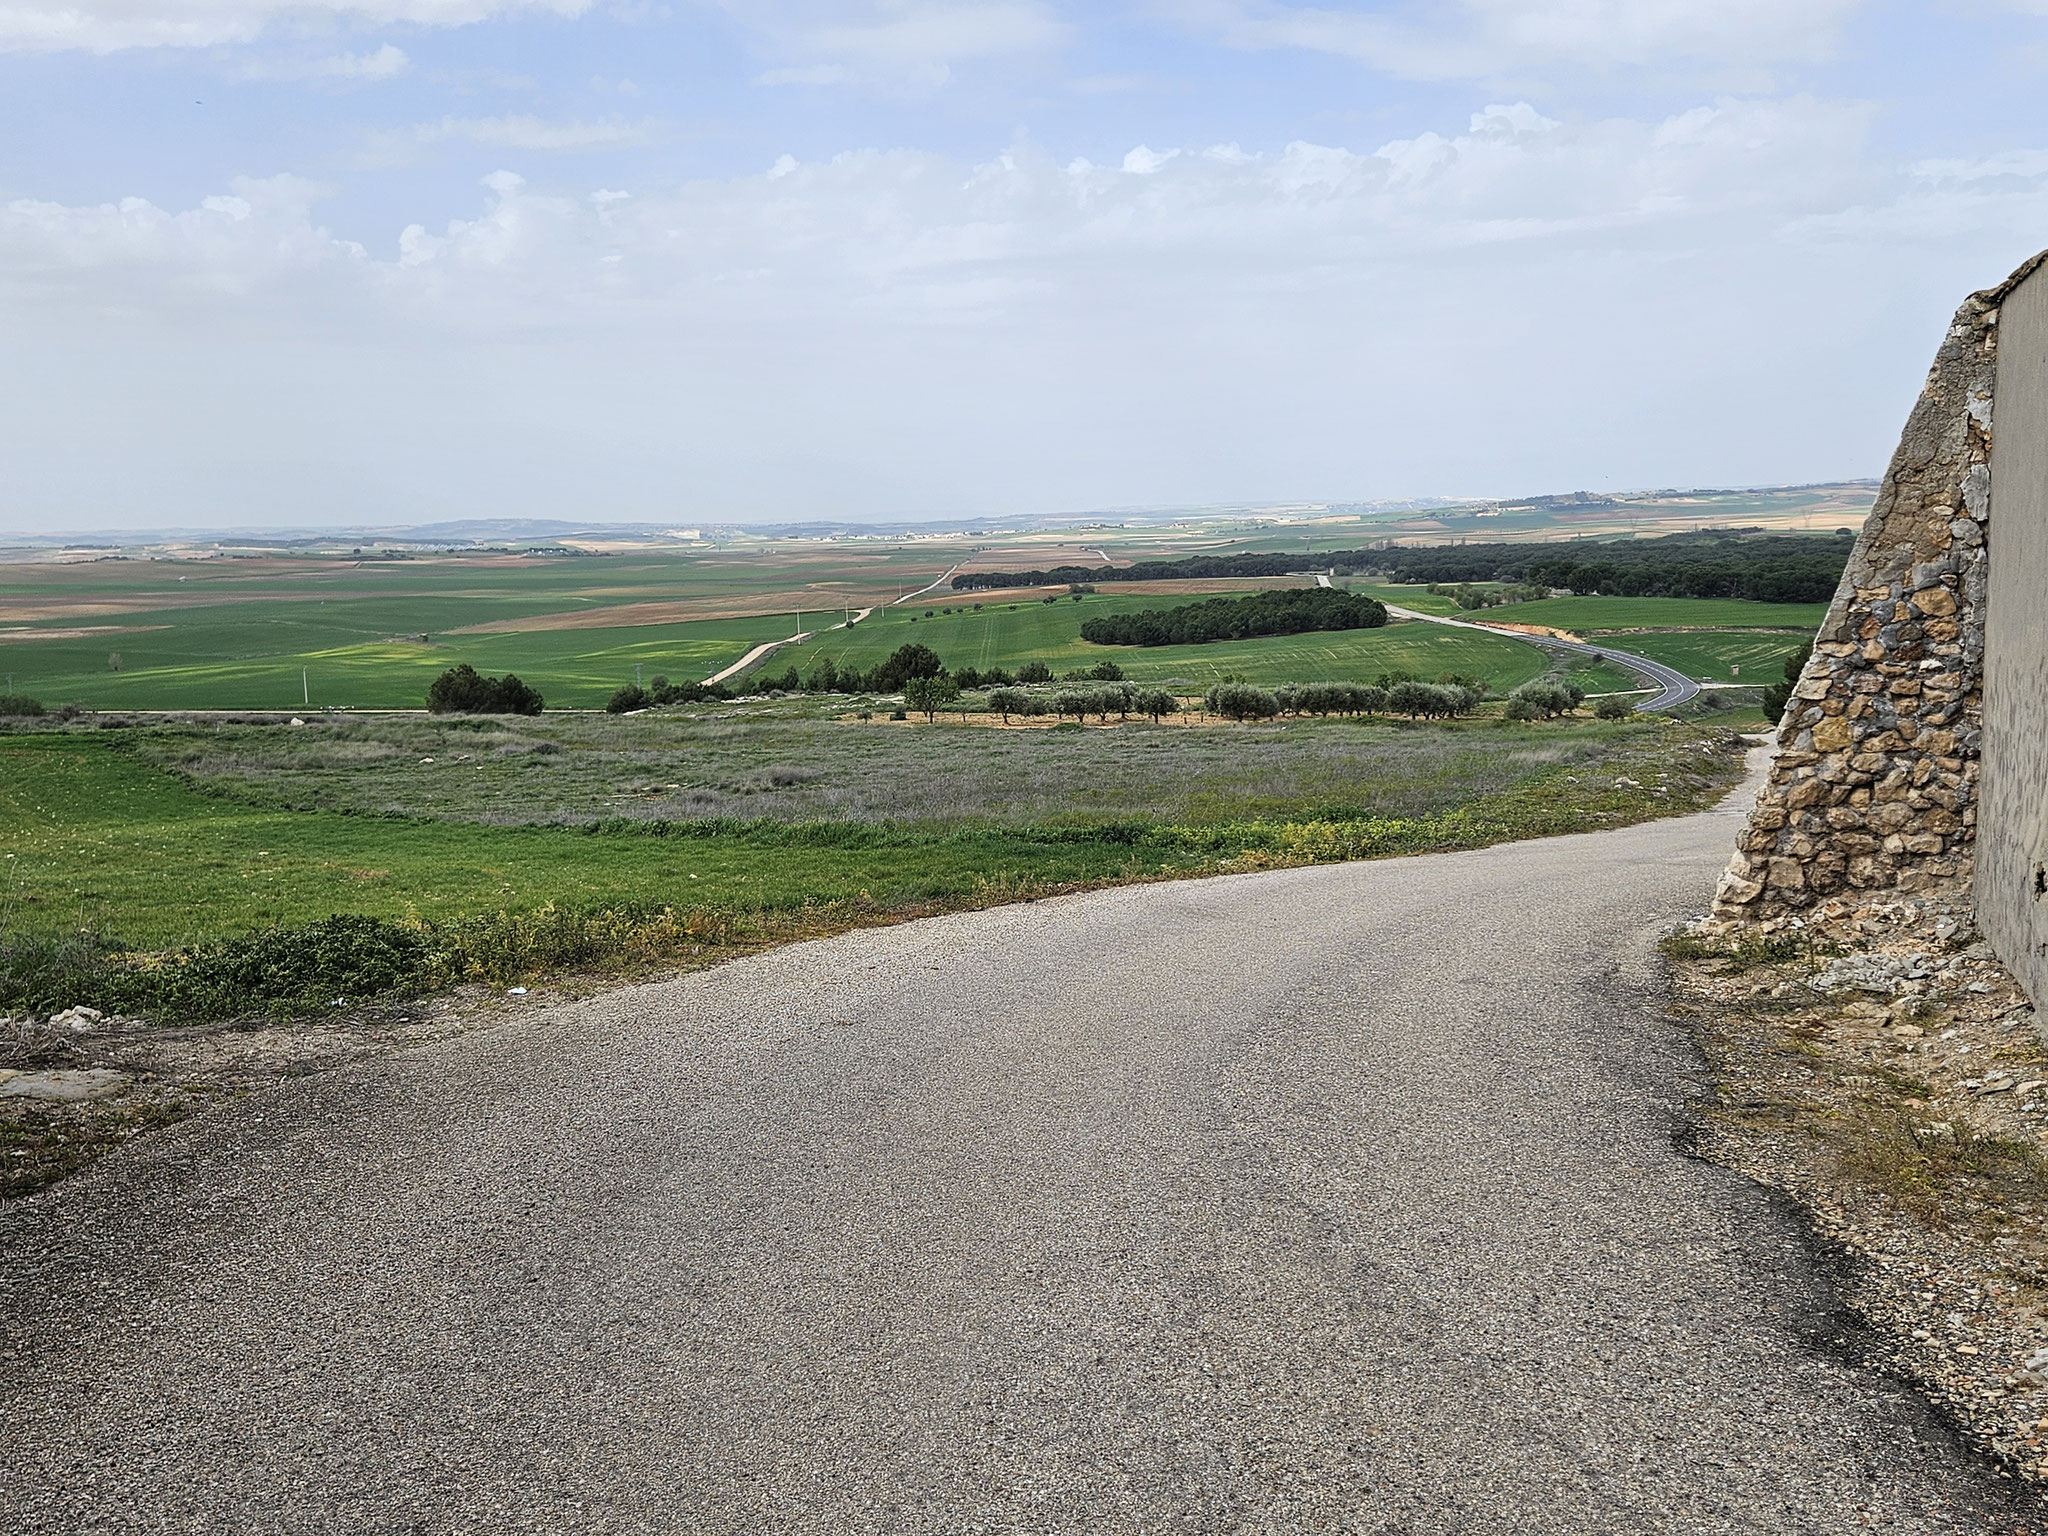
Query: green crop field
{"type": "Point", "coordinates": [1718, 656]}
{"type": "Point", "coordinates": [1010, 635]}
{"type": "Point", "coordinates": [284, 631]}
{"type": "Point", "coordinates": [1597, 614]}
{"type": "Point", "coordinates": [241, 634]}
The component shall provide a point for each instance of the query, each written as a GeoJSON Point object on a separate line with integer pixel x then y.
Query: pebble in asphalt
{"type": "Point", "coordinates": [1334, 1199]}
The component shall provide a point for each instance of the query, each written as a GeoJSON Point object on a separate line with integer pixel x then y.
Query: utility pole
{"type": "Point", "coordinates": [305, 689]}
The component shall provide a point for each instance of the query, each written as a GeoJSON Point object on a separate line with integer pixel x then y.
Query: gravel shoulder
{"type": "Point", "coordinates": [1346, 1197]}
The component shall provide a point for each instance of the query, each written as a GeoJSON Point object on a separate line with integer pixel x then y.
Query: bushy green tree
{"type": "Point", "coordinates": [904, 663]}
{"type": "Point", "coordinates": [1008, 701]}
{"type": "Point", "coordinates": [1034, 672]}
{"type": "Point", "coordinates": [1156, 702]}
{"type": "Point", "coordinates": [930, 694]}
{"type": "Point", "coordinates": [1779, 694]}
{"type": "Point", "coordinates": [1615, 706]}
{"type": "Point", "coordinates": [460, 691]}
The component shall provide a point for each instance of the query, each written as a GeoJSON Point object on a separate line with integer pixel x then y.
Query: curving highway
{"type": "Point", "coordinates": [1675, 687]}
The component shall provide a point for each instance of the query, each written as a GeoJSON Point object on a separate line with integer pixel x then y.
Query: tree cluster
{"type": "Point", "coordinates": [460, 691]}
{"type": "Point", "coordinates": [1764, 568]}
{"type": "Point", "coordinates": [1078, 577]}
{"type": "Point", "coordinates": [1471, 598]}
{"type": "Point", "coordinates": [905, 663]}
{"type": "Point", "coordinates": [1285, 611]}
{"type": "Point", "coordinates": [1119, 698]}
{"type": "Point", "coordinates": [1544, 698]}
{"type": "Point", "coordinates": [661, 691]}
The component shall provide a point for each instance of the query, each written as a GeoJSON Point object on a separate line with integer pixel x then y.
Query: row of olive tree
{"type": "Point", "coordinates": [1120, 699]}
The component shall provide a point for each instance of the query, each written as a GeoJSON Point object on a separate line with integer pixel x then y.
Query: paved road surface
{"type": "Point", "coordinates": [1333, 1199]}
{"type": "Point", "coordinates": [1675, 687]}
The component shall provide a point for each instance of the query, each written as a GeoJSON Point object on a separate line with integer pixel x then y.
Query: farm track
{"type": "Point", "coordinates": [1335, 1198]}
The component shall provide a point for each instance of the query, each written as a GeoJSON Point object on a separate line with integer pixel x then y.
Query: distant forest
{"type": "Point", "coordinates": [1289, 611]}
{"type": "Point", "coordinates": [1762, 567]}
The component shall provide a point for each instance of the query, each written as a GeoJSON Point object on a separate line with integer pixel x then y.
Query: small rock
{"type": "Point", "coordinates": [515, 991]}
{"type": "Point", "coordinates": [65, 1086]}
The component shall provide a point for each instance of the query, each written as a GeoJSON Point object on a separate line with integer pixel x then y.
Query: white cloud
{"type": "Point", "coordinates": [385, 64]}
{"type": "Point", "coordinates": [1490, 38]}
{"type": "Point", "coordinates": [525, 132]}
{"type": "Point", "coordinates": [105, 26]}
{"type": "Point", "coordinates": [892, 43]}
{"type": "Point", "coordinates": [511, 131]}
{"type": "Point", "coordinates": [809, 74]}
{"type": "Point", "coordinates": [1690, 298]}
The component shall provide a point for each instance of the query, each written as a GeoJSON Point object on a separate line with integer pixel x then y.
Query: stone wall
{"type": "Point", "coordinates": [1874, 787]}
{"type": "Point", "coordinates": [2012, 836]}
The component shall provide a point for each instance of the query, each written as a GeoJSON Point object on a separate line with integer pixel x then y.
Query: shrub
{"type": "Point", "coordinates": [1614, 707]}
{"type": "Point", "coordinates": [1545, 698]}
{"type": "Point", "coordinates": [1241, 701]}
{"type": "Point", "coordinates": [1523, 709]}
{"type": "Point", "coordinates": [665, 692]}
{"type": "Point", "coordinates": [20, 704]}
{"type": "Point", "coordinates": [460, 691]}
{"type": "Point", "coordinates": [297, 970]}
{"type": "Point", "coordinates": [1435, 701]}
{"type": "Point", "coordinates": [1034, 672]}
{"type": "Point", "coordinates": [628, 699]}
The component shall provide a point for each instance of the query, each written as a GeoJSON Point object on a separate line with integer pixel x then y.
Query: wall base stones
{"type": "Point", "coordinates": [1874, 785]}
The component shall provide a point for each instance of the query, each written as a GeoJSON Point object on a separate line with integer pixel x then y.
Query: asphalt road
{"type": "Point", "coordinates": [1674, 686]}
{"type": "Point", "coordinates": [1332, 1199]}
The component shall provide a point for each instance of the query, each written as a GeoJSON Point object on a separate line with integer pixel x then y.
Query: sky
{"type": "Point", "coordinates": [372, 262]}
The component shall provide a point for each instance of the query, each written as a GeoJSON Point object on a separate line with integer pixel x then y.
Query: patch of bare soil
{"type": "Point", "coordinates": [75, 1086]}
{"type": "Point", "coordinates": [1878, 1065]}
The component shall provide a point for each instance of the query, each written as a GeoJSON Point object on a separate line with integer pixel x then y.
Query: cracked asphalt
{"type": "Point", "coordinates": [1348, 1198]}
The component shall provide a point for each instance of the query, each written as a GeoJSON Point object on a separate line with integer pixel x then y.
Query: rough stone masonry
{"type": "Point", "coordinates": [1876, 786]}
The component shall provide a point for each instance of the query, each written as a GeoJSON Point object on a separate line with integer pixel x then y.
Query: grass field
{"type": "Point", "coordinates": [1601, 614]}
{"type": "Point", "coordinates": [1009, 635]}
{"type": "Point", "coordinates": [94, 834]}
{"type": "Point", "coordinates": [1720, 656]}
{"type": "Point", "coordinates": [236, 634]}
